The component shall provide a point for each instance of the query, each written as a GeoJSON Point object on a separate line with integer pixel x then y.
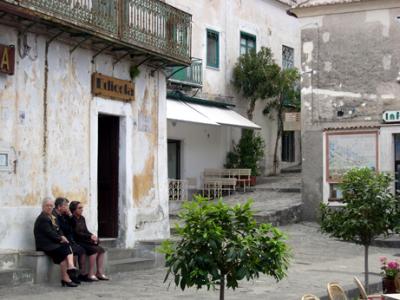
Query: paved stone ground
{"type": "Point", "coordinates": [266, 195]}
{"type": "Point", "coordinates": [316, 261]}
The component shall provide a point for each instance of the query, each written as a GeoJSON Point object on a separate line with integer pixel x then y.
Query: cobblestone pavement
{"type": "Point", "coordinates": [316, 261]}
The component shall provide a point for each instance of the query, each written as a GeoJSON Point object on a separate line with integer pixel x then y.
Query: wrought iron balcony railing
{"type": "Point", "coordinates": [190, 76]}
{"type": "Point", "coordinates": [149, 25]}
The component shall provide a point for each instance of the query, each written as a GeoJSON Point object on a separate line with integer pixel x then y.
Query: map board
{"type": "Point", "coordinates": [347, 150]}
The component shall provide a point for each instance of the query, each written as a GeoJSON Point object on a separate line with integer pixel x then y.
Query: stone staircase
{"type": "Point", "coordinates": [276, 199]}
{"type": "Point", "coordinates": [143, 256]}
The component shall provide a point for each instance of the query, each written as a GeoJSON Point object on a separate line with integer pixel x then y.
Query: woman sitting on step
{"type": "Point", "coordinates": [88, 241]}
{"type": "Point", "coordinates": [50, 239]}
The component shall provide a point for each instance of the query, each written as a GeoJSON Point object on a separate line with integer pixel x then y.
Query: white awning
{"type": "Point", "coordinates": [181, 111]}
{"type": "Point", "coordinates": [190, 112]}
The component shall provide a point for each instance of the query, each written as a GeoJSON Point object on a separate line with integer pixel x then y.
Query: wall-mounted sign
{"type": "Point", "coordinates": [7, 59]}
{"type": "Point", "coordinates": [292, 121]}
{"type": "Point", "coordinates": [391, 116]}
{"type": "Point", "coordinates": [111, 87]}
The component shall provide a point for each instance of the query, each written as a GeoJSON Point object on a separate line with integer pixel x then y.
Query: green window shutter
{"type": "Point", "coordinates": [212, 48]}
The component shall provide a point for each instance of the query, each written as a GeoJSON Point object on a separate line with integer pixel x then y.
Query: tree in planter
{"type": "Point", "coordinates": [286, 94]}
{"type": "Point", "coordinates": [370, 210]}
{"type": "Point", "coordinates": [247, 153]}
{"type": "Point", "coordinates": [221, 245]}
{"type": "Point", "coordinates": [254, 77]}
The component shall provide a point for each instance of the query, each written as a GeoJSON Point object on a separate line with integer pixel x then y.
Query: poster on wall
{"type": "Point", "coordinates": [347, 150]}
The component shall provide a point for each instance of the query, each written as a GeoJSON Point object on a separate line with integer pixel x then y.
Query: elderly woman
{"type": "Point", "coordinates": [89, 242]}
{"type": "Point", "coordinates": [50, 239]}
{"type": "Point", "coordinates": [64, 216]}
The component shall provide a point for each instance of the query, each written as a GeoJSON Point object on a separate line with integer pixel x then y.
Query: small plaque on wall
{"type": "Point", "coordinates": [5, 161]}
{"type": "Point", "coordinates": [112, 88]}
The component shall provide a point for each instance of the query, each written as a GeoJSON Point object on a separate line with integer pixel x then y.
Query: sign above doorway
{"type": "Point", "coordinates": [112, 88]}
{"type": "Point", "coordinates": [391, 116]}
{"type": "Point", "coordinates": [7, 59]}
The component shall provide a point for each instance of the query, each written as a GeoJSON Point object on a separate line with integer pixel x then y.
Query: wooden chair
{"type": "Point", "coordinates": [335, 292]}
{"type": "Point", "coordinates": [363, 293]}
{"type": "Point", "coordinates": [309, 297]}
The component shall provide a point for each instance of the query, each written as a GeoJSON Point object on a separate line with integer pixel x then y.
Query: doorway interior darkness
{"type": "Point", "coordinates": [107, 175]}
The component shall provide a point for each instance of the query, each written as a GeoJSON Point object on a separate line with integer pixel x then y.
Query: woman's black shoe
{"type": "Point", "coordinates": [68, 284]}
{"type": "Point", "coordinates": [73, 274]}
{"type": "Point", "coordinates": [84, 278]}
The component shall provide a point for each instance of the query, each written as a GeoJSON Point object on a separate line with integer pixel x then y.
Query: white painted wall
{"type": "Point", "coordinates": [269, 22]}
{"type": "Point", "coordinates": [202, 146]}
{"type": "Point", "coordinates": [65, 163]}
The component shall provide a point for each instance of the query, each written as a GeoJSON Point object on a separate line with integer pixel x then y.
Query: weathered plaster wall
{"type": "Point", "coordinates": [268, 21]}
{"type": "Point", "coordinates": [350, 62]}
{"type": "Point", "coordinates": [54, 141]}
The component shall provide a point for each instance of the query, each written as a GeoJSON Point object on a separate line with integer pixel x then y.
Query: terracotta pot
{"type": "Point", "coordinates": [388, 286]}
{"type": "Point", "coordinates": [253, 180]}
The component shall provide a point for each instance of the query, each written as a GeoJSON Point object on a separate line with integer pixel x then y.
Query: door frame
{"type": "Point", "coordinates": [123, 111]}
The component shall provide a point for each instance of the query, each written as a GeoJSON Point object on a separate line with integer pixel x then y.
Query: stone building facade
{"type": "Point", "coordinates": [222, 30]}
{"type": "Point", "coordinates": [350, 92]}
{"type": "Point", "coordinates": [60, 137]}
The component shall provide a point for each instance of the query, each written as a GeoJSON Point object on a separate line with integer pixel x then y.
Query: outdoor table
{"type": "Point", "coordinates": [392, 296]}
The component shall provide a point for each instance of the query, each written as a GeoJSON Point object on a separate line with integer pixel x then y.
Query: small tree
{"type": "Point", "coordinates": [370, 210]}
{"type": "Point", "coordinates": [221, 245]}
{"type": "Point", "coordinates": [286, 95]}
{"type": "Point", "coordinates": [247, 153]}
{"type": "Point", "coordinates": [254, 77]}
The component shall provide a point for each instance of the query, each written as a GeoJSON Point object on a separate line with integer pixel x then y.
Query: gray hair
{"type": "Point", "coordinates": [45, 200]}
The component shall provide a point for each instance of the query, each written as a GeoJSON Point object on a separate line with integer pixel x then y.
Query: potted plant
{"type": "Point", "coordinates": [247, 154]}
{"type": "Point", "coordinates": [390, 270]}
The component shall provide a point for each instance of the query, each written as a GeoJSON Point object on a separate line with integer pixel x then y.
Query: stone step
{"type": "Point", "coordinates": [15, 277]}
{"type": "Point", "coordinates": [279, 189]}
{"type": "Point", "coordinates": [117, 253]}
{"type": "Point", "coordinates": [295, 169]}
{"type": "Point", "coordinates": [282, 217]}
{"type": "Point", "coordinates": [108, 242]}
{"type": "Point", "coordinates": [8, 260]}
{"type": "Point", "coordinates": [130, 264]}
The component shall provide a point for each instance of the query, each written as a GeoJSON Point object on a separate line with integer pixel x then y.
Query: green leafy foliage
{"type": "Point", "coordinates": [247, 153]}
{"type": "Point", "coordinates": [254, 76]}
{"type": "Point", "coordinates": [286, 96]}
{"type": "Point", "coordinates": [221, 243]}
{"type": "Point", "coordinates": [370, 208]}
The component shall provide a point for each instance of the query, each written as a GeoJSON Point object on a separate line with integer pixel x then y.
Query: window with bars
{"type": "Point", "coordinates": [212, 48]}
{"type": "Point", "coordinates": [247, 43]}
{"type": "Point", "coordinates": [287, 57]}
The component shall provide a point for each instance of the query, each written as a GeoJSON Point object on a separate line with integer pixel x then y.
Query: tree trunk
{"type": "Point", "coordinates": [250, 111]}
{"type": "Point", "coordinates": [222, 288]}
{"type": "Point", "coordinates": [278, 135]}
{"type": "Point", "coordinates": [366, 268]}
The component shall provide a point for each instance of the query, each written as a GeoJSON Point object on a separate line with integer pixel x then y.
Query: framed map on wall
{"type": "Point", "coordinates": [347, 150]}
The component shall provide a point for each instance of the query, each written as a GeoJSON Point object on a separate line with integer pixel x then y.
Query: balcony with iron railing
{"type": "Point", "coordinates": [191, 76]}
{"type": "Point", "coordinates": [150, 26]}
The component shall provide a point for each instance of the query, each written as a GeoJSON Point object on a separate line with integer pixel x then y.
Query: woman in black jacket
{"type": "Point", "coordinates": [50, 239]}
{"type": "Point", "coordinates": [88, 241]}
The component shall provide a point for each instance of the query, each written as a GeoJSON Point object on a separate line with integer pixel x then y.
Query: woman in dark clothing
{"type": "Point", "coordinates": [64, 217]}
{"type": "Point", "coordinates": [50, 239]}
{"type": "Point", "coordinates": [88, 241]}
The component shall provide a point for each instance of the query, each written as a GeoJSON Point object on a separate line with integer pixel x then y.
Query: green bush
{"type": "Point", "coordinates": [221, 245]}
{"type": "Point", "coordinates": [247, 153]}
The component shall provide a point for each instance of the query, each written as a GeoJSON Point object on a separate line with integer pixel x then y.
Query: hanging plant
{"type": "Point", "coordinates": [134, 72]}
